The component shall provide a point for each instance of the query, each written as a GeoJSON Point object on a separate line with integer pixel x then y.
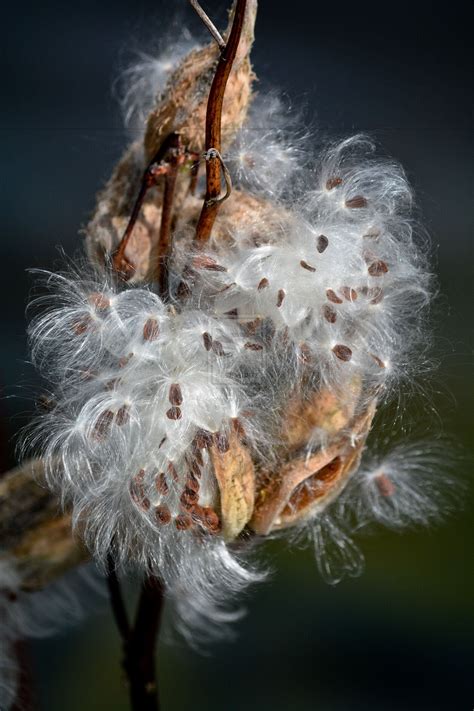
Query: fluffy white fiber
{"type": "Point", "coordinates": [333, 293]}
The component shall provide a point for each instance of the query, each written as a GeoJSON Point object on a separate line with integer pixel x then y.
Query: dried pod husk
{"type": "Point", "coordinates": [304, 486]}
{"type": "Point", "coordinates": [181, 109]}
{"type": "Point", "coordinates": [235, 475]}
{"type": "Point", "coordinates": [33, 530]}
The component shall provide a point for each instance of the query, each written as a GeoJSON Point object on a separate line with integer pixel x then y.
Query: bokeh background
{"type": "Point", "coordinates": [401, 636]}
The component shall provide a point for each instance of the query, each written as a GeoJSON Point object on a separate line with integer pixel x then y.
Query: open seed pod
{"type": "Point", "coordinates": [180, 109]}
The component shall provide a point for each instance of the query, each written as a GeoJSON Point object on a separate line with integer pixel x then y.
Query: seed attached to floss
{"type": "Point", "coordinates": [329, 313]}
{"type": "Point", "coordinates": [332, 296]}
{"type": "Point", "coordinates": [281, 296]}
{"type": "Point", "coordinates": [356, 202]}
{"type": "Point", "coordinates": [151, 330]}
{"type": "Point", "coordinates": [385, 485]}
{"type": "Point", "coordinates": [207, 338]}
{"type": "Point", "coordinates": [321, 243]}
{"type": "Point", "coordinates": [122, 416]}
{"type": "Point", "coordinates": [263, 283]}
{"type": "Point", "coordinates": [348, 293]}
{"type": "Point", "coordinates": [238, 427]}
{"type": "Point", "coordinates": [99, 301]}
{"type": "Point", "coordinates": [125, 360]}
{"type": "Point", "coordinates": [175, 395]}
{"type": "Point", "coordinates": [218, 348]}
{"type": "Point", "coordinates": [253, 346]}
{"type": "Point", "coordinates": [81, 326]}
{"type": "Point", "coordinates": [208, 263]}
{"type": "Point", "coordinates": [304, 353]}
{"type": "Point", "coordinates": [161, 484]}
{"type": "Point", "coordinates": [183, 522]}
{"type": "Point", "coordinates": [203, 439]}
{"type": "Point", "coordinates": [332, 183]}
{"type": "Point", "coordinates": [103, 425]}
{"type": "Point", "coordinates": [377, 360]}
{"type": "Point", "coordinates": [377, 268]}
{"type": "Point", "coordinates": [342, 352]}
{"type": "Point", "coordinates": [174, 413]}
{"type": "Point", "coordinates": [162, 515]}
{"type": "Point", "coordinates": [208, 518]}
{"type": "Point", "coordinates": [375, 295]}
{"type": "Point", "coordinates": [307, 266]}
{"type": "Point", "coordinates": [222, 442]}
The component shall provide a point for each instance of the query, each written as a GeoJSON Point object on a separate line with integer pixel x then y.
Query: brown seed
{"type": "Point", "coordinates": [333, 183]}
{"type": "Point", "coordinates": [342, 352]}
{"type": "Point", "coordinates": [192, 483]}
{"type": "Point", "coordinates": [175, 395]}
{"type": "Point", "coordinates": [103, 424]}
{"type": "Point", "coordinates": [329, 313]}
{"type": "Point", "coordinates": [46, 403]}
{"type": "Point", "coordinates": [208, 263]}
{"type": "Point", "coordinates": [207, 338]}
{"type": "Point", "coordinates": [253, 346]}
{"type": "Point", "coordinates": [377, 360]}
{"type": "Point", "coordinates": [151, 330]}
{"type": "Point", "coordinates": [251, 326]}
{"type": "Point", "coordinates": [162, 514]}
{"type": "Point", "coordinates": [321, 243]}
{"type": "Point", "coordinates": [281, 296]}
{"type": "Point", "coordinates": [162, 442]}
{"type": "Point", "coordinates": [99, 301]}
{"type": "Point", "coordinates": [348, 293]}
{"type": "Point", "coordinates": [237, 426]}
{"type": "Point", "coordinates": [183, 522]}
{"type": "Point", "coordinates": [307, 266]}
{"type": "Point", "coordinates": [161, 484]}
{"type": "Point", "coordinates": [385, 485]}
{"type": "Point", "coordinates": [357, 202]}
{"type": "Point", "coordinates": [218, 348]}
{"type": "Point", "coordinates": [82, 325]}
{"type": "Point", "coordinates": [172, 471]}
{"type": "Point", "coordinates": [332, 296]}
{"type": "Point", "coordinates": [375, 295]}
{"type": "Point", "coordinates": [189, 499]}
{"type": "Point", "coordinates": [377, 268]}
{"type": "Point", "coordinates": [372, 233]}
{"type": "Point", "coordinates": [124, 360]}
{"type": "Point", "coordinates": [199, 461]}
{"type": "Point", "coordinates": [174, 413]}
{"type": "Point", "coordinates": [122, 415]}
{"type": "Point", "coordinates": [304, 353]}
{"type": "Point", "coordinates": [208, 518]}
{"type": "Point", "coordinates": [263, 283]}
{"type": "Point", "coordinates": [222, 442]}
{"type": "Point", "coordinates": [233, 313]}
{"type": "Point", "coordinates": [203, 439]}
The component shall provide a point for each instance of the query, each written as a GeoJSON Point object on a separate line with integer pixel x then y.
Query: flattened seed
{"type": "Point", "coordinates": [218, 348]}
{"type": "Point", "coordinates": [321, 243]}
{"type": "Point", "coordinates": [385, 485]}
{"type": "Point", "coordinates": [103, 424]}
{"type": "Point", "coordinates": [183, 522]}
{"type": "Point", "coordinates": [253, 346]}
{"type": "Point", "coordinates": [377, 268]}
{"type": "Point", "coordinates": [377, 360]}
{"type": "Point", "coordinates": [329, 313]}
{"type": "Point", "coordinates": [208, 263]}
{"type": "Point", "coordinates": [172, 471]}
{"type": "Point", "coordinates": [81, 326]}
{"type": "Point", "coordinates": [99, 301]}
{"type": "Point", "coordinates": [151, 330]}
{"type": "Point", "coordinates": [348, 293]}
{"type": "Point", "coordinates": [221, 442]}
{"type": "Point", "coordinates": [304, 353]}
{"type": "Point", "coordinates": [233, 313]}
{"type": "Point", "coordinates": [161, 484]}
{"type": "Point", "coordinates": [332, 183]}
{"type": "Point", "coordinates": [357, 202]}
{"type": "Point", "coordinates": [125, 360]}
{"type": "Point", "coordinates": [375, 295]}
{"type": "Point", "coordinates": [122, 415]}
{"type": "Point", "coordinates": [307, 266]}
{"type": "Point", "coordinates": [237, 426]}
{"type": "Point", "coordinates": [203, 439]}
{"type": "Point", "coordinates": [162, 515]}
{"type": "Point", "coordinates": [189, 499]}
{"type": "Point", "coordinates": [342, 352]}
{"type": "Point", "coordinates": [175, 395]}
{"type": "Point", "coordinates": [174, 413]}
{"type": "Point", "coordinates": [263, 283]}
{"type": "Point", "coordinates": [207, 338]}
{"type": "Point", "coordinates": [207, 517]}
{"type": "Point", "coordinates": [332, 296]}
{"type": "Point", "coordinates": [281, 296]}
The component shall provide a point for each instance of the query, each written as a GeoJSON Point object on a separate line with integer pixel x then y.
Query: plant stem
{"type": "Point", "coordinates": [214, 123]}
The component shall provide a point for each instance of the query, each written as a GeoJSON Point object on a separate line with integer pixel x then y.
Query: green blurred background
{"type": "Point", "coordinates": [401, 636]}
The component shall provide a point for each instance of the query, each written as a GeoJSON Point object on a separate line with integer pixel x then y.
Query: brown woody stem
{"type": "Point", "coordinates": [213, 126]}
{"type": "Point", "coordinates": [139, 641]}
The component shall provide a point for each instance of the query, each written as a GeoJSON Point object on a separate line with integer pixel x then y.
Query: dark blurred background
{"type": "Point", "coordinates": [401, 636]}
